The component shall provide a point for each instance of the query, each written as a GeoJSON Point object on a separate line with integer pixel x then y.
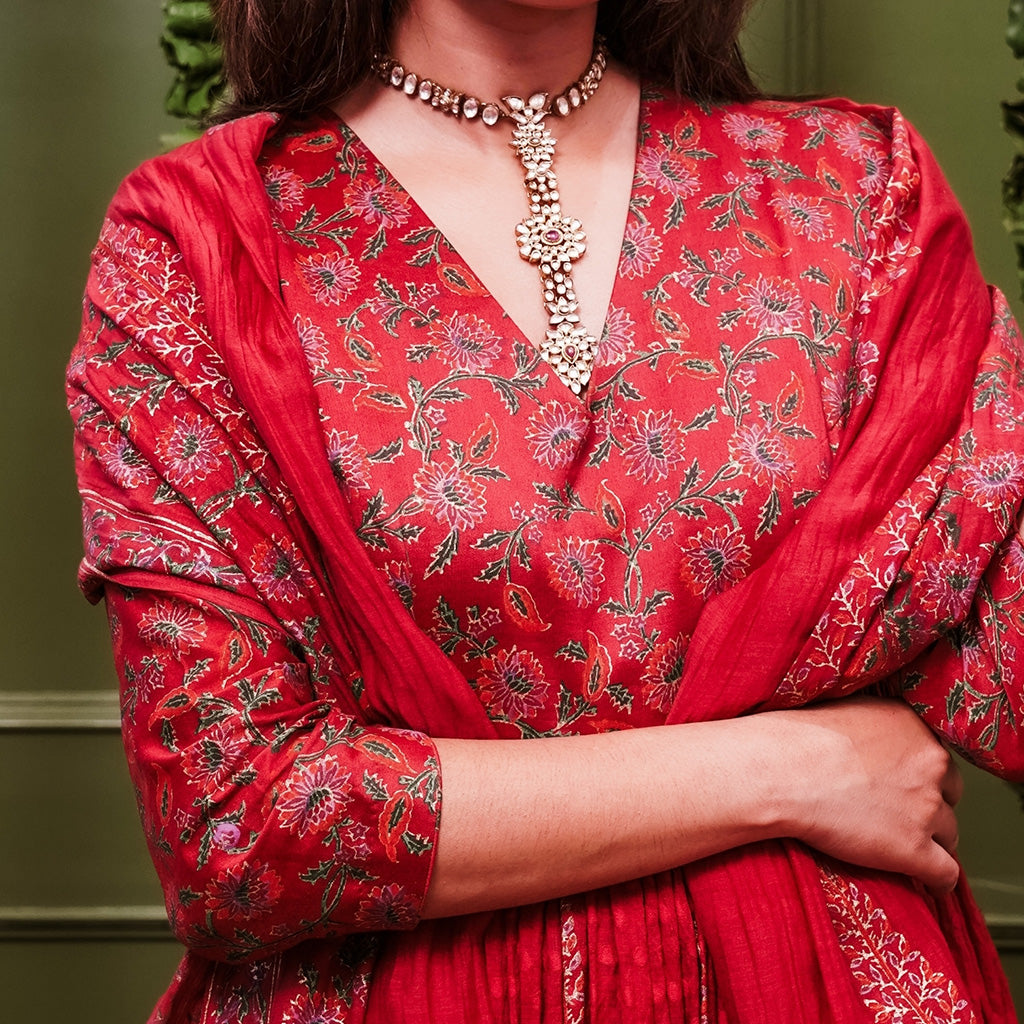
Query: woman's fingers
{"type": "Point", "coordinates": [940, 871]}
{"type": "Point", "coordinates": [952, 784]}
{"type": "Point", "coordinates": [946, 833]}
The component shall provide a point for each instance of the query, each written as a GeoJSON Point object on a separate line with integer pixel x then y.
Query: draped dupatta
{"type": "Point", "coordinates": [774, 923]}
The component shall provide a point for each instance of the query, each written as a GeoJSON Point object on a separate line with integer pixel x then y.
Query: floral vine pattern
{"type": "Point", "coordinates": [897, 982]}
{"type": "Point", "coordinates": [559, 550]}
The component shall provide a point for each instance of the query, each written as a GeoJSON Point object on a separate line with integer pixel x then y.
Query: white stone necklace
{"type": "Point", "coordinates": [546, 237]}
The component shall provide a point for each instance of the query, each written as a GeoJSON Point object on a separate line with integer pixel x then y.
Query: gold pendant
{"type": "Point", "coordinates": [552, 241]}
{"type": "Point", "coordinates": [547, 238]}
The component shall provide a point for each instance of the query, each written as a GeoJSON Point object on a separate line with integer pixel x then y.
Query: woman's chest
{"type": "Point", "coordinates": [559, 549]}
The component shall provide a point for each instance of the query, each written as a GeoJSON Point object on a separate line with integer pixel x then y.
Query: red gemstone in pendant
{"type": "Point", "coordinates": [552, 235]}
{"type": "Point", "coordinates": [570, 351]}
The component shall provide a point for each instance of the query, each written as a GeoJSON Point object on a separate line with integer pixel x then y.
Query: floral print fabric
{"type": "Point", "coordinates": [558, 550]}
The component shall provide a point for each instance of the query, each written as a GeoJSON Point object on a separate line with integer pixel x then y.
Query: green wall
{"type": "Point", "coordinates": [944, 63]}
{"type": "Point", "coordinates": [80, 103]}
{"type": "Point", "coordinates": [81, 85]}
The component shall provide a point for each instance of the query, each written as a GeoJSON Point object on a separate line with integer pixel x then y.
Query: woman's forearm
{"type": "Point", "coordinates": [524, 821]}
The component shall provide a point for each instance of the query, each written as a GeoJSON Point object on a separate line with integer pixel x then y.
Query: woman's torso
{"type": "Point", "coordinates": [561, 549]}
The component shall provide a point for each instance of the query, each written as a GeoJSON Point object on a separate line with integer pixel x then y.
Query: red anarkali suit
{"type": "Point", "coordinates": [338, 505]}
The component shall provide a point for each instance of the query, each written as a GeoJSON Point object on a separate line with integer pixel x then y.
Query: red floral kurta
{"type": "Point", "coordinates": [559, 550]}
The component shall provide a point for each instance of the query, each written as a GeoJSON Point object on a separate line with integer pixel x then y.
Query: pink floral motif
{"type": "Point", "coordinates": [663, 672]}
{"type": "Point", "coordinates": [285, 187]}
{"type": "Point", "coordinates": [753, 132]}
{"type": "Point", "coordinates": [877, 171]}
{"type": "Point", "coordinates": [850, 138]}
{"type": "Point", "coordinates": [577, 569]}
{"type": "Point", "coordinates": [668, 172]}
{"type": "Point", "coordinates": [466, 342]}
{"type": "Point", "coordinates": [377, 202]}
{"type": "Point", "coordinates": [1013, 560]}
{"type": "Point", "coordinates": [763, 454]}
{"type": "Point", "coordinates": [388, 906]}
{"type": "Point", "coordinates": [714, 560]}
{"type": "Point", "coordinates": [772, 305]}
{"type": "Point", "coordinates": [314, 796]}
{"type": "Point", "coordinates": [949, 583]}
{"type": "Point", "coordinates": [348, 459]}
{"type": "Point", "coordinates": [842, 392]}
{"type": "Point", "coordinates": [618, 339]}
{"type": "Point", "coordinates": [653, 445]}
{"type": "Point", "coordinates": [192, 449]}
{"type": "Point", "coordinates": [244, 891]}
{"type": "Point", "coordinates": [174, 626]}
{"type": "Point", "coordinates": [512, 684]}
{"type": "Point", "coordinates": [968, 640]}
{"type": "Point", "coordinates": [329, 277]}
{"type": "Point", "coordinates": [556, 431]}
{"type": "Point", "coordinates": [805, 216]}
{"type": "Point", "coordinates": [280, 570]}
{"type": "Point", "coordinates": [314, 342]}
{"type": "Point", "coordinates": [215, 756]}
{"type": "Point", "coordinates": [450, 493]}
{"type": "Point", "coordinates": [121, 459]}
{"type": "Point", "coordinates": [641, 249]}
{"type": "Point", "coordinates": [995, 480]}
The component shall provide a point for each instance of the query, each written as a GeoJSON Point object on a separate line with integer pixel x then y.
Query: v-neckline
{"type": "Point", "coordinates": [517, 334]}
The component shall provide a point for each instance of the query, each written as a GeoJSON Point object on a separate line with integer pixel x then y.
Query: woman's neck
{"type": "Point", "coordinates": [491, 48]}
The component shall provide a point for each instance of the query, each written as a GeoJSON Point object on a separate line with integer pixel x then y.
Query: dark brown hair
{"type": "Point", "coordinates": [296, 55]}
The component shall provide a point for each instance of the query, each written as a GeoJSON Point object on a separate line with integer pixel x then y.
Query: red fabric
{"type": "Point", "coordinates": [775, 934]}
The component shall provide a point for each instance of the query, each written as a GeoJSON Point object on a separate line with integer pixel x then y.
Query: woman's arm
{"type": "Point", "coordinates": [274, 817]}
{"type": "Point", "coordinates": [967, 685]}
{"type": "Point", "coordinates": [863, 780]}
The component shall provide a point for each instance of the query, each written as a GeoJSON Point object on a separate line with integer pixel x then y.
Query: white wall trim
{"type": "Point", "coordinates": [60, 711]}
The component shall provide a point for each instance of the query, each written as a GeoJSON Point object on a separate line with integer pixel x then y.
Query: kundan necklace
{"type": "Point", "coordinates": [546, 237]}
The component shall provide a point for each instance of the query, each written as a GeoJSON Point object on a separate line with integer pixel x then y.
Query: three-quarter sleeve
{"type": "Point", "coordinates": [933, 602]}
{"type": "Point", "coordinates": [274, 809]}
{"type": "Point", "coordinates": [969, 686]}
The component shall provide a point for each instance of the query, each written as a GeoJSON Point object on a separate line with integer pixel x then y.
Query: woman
{"type": "Point", "coordinates": [371, 497]}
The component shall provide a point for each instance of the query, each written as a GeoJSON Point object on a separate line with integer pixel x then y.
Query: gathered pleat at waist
{"type": "Point", "coordinates": [757, 936]}
{"type": "Point", "coordinates": [629, 953]}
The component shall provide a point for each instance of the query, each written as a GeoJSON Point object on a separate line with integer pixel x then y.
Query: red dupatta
{"type": "Point", "coordinates": [763, 905]}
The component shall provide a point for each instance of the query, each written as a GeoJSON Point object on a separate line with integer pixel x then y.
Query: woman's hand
{"type": "Point", "coordinates": [878, 788]}
{"type": "Point", "coordinates": [860, 779]}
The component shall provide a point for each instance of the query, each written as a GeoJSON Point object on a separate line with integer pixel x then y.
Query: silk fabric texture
{"type": "Point", "coordinates": [761, 920]}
